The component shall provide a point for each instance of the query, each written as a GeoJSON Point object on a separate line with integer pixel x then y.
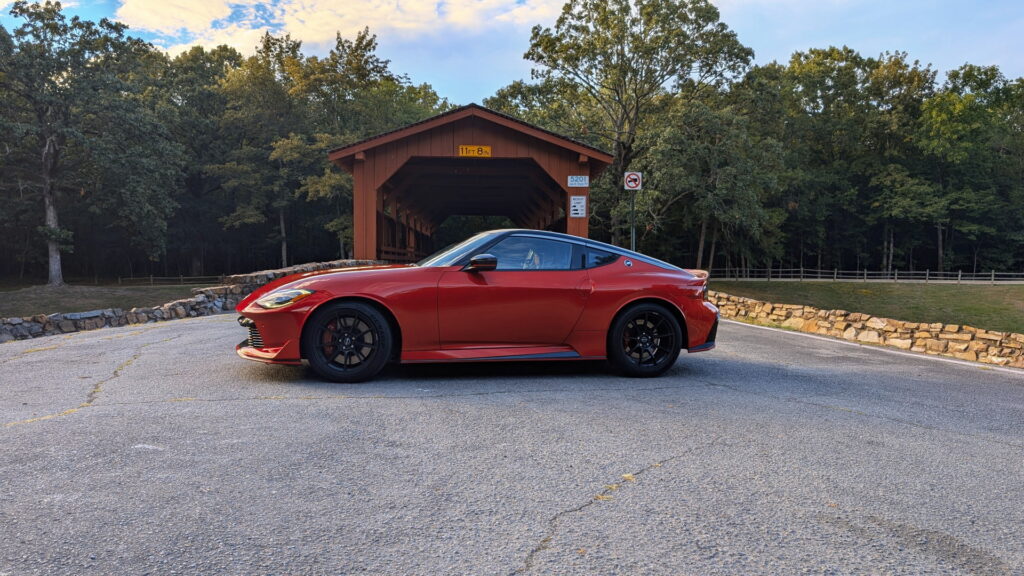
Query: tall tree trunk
{"type": "Point", "coordinates": [938, 230]}
{"type": "Point", "coordinates": [892, 248]}
{"type": "Point", "coordinates": [51, 151]}
{"type": "Point", "coordinates": [615, 223]}
{"type": "Point", "coordinates": [700, 241]}
{"type": "Point", "coordinates": [885, 248]}
{"type": "Point", "coordinates": [24, 255]}
{"type": "Point", "coordinates": [284, 241]}
{"type": "Point", "coordinates": [711, 254]}
{"type": "Point", "coordinates": [622, 157]}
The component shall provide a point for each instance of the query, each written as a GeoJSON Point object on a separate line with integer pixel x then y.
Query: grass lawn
{"type": "Point", "coordinates": [31, 300]}
{"type": "Point", "coordinates": [982, 306]}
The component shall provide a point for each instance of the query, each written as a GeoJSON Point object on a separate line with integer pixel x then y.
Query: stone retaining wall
{"type": "Point", "coordinates": [254, 280]}
{"type": "Point", "coordinates": [204, 302]}
{"type": "Point", "coordinates": [955, 341]}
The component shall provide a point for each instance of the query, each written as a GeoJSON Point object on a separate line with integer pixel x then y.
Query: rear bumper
{"type": "Point", "coordinates": [709, 344]}
{"type": "Point", "coordinates": [702, 348]}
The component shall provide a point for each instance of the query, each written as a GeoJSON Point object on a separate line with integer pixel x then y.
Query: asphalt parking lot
{"type": "Point", "coordinates": [154, 449]}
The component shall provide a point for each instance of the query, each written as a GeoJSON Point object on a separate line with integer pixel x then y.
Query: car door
{"type": "Point", "coordinates": [534, 296]}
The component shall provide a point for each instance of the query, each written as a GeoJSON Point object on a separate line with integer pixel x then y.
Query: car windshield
{"type": "Point", "coordinates": [453, 254]}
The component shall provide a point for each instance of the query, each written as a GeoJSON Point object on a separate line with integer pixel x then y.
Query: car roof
{"type": "Point", "coordinates": [588, 242]}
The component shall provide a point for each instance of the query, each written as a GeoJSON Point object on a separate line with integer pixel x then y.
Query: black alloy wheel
{"type": "Point", "coordinates": [645, 340]}
{"type": "Point", "coordinates": [347, 342]}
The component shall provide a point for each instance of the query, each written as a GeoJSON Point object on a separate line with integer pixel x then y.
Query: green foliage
{"type": "Point", "coordinates": [831, 160]}
{"type": "Point", "coordinates": [76, 95]}
{"type": "Point", "coordinates": [710, 161]}
{"type": "Point", "coordinates": [205, 162]}
{"type": "Point", "coordinates": [613, 62]}
{"type": "Point", "coordinates": [117, 159]}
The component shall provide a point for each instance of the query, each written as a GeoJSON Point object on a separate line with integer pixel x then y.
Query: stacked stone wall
{"type": "Point", "coordinates": [254, 280]}
{"type": "Point", "coordinates": [953, 340]}
{"type": "Point", "coordinates": [204, 302]}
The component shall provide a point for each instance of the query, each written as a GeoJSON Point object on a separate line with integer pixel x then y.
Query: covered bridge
{"type": "Point", "coordinates": [468, 161]}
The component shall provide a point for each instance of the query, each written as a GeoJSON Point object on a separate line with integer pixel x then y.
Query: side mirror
{"type": "Point", "coordinates": [481, 263]}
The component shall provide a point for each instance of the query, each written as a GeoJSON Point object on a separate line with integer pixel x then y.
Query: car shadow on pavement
{"type": "Point", "coordinates": [463, 373]}
{"type": "Point", "coordinates": [479, 370]}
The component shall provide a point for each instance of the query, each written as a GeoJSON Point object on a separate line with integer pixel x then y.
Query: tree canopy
{"type": "Point", "coordinates": [118, 159]}
{"type": "Point", "coordinates": [127, 161]}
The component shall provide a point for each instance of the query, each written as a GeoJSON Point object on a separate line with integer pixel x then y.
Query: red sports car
{"type": "Point", "coordinates": [500, 295]}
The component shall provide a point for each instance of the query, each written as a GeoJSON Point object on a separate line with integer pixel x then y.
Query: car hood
{"type": "Point", "coordinates": [306, 278]}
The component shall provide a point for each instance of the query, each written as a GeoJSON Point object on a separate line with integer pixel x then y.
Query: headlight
{"type": "Point", "coordinates": [281, 298]}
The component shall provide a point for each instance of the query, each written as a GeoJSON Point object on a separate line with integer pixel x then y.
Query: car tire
{"type": "Point", "coordinates": [644, 340]}
{"type": "Point", "coordinates": [347, 342]}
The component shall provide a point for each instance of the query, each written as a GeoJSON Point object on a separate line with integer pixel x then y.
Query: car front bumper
{"type": "Point", "coordinates": [277, 352]}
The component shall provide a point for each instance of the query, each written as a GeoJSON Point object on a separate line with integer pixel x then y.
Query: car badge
{"type": "Point", "coordinates": [628, 263]}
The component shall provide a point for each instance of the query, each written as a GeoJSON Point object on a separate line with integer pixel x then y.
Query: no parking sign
{"type": "Point", "coordinates": [633, 181]}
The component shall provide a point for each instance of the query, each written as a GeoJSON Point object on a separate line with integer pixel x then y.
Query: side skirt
{"type": "Point", "coordinates": [495, 355]}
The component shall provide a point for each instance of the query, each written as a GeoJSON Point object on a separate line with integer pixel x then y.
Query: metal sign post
{"type": "Point", "coordinates": [632, 182]}
{"type": "Point", "coordinates": [632, 221]}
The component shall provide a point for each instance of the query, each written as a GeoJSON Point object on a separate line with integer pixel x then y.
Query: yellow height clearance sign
{"type": "Point", "coordinates": [475, 150]}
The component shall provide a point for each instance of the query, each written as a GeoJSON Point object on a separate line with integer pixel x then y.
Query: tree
{"type": "Point", "coordinates": [349, 95]}
{"type": "Point", "coordinates": [709, 161]}
{"type": "Point", "coordinates": [956, 132]}
{"type": "Point", "coordinates": [74, 90]}
{"type": "Point", "coordinates": [191, 92]}
{"type": "Point", "coordinates": [827, 117]}
{"type": "Point", "coordinates": [260, 108]}
{"type": "Point", "coordinates": [896, 90]}
{"type": "Point", "coordinates": [619, 56]}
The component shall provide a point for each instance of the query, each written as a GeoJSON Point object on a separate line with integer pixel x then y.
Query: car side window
{"type": "Point", "coordinates": [529, 253]}
{"type": "Point", "coordinates": [597, 258]}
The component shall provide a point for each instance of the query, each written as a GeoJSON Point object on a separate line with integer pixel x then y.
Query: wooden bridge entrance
{"type": "Point", "coordinates": [468, 161]}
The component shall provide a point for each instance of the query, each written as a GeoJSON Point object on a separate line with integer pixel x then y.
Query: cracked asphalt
{"type": "Point", "coordinates": [155, 449]}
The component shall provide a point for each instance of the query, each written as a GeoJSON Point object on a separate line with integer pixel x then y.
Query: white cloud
{"type": "Point", "coordinates": [316, 22]}
{"type": "Point", "coordinates": [172, 16]}
{"type": "Point", "coordinates": [243, 38]}
{"type": "Point", "coordinates": [474, 14]}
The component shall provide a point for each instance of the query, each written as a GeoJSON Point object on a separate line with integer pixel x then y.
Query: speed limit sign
{"type": "Point", "coordinates": [633, 181]}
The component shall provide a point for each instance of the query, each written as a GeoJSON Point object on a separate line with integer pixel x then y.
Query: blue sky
{"type": "Point", "coordinates": [467, 49]}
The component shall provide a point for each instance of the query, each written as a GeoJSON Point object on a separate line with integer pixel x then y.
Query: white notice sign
{"type": "Point", "coordinates": [579, 181]}
{"type": "Point", "coordinates": [577, 206]}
